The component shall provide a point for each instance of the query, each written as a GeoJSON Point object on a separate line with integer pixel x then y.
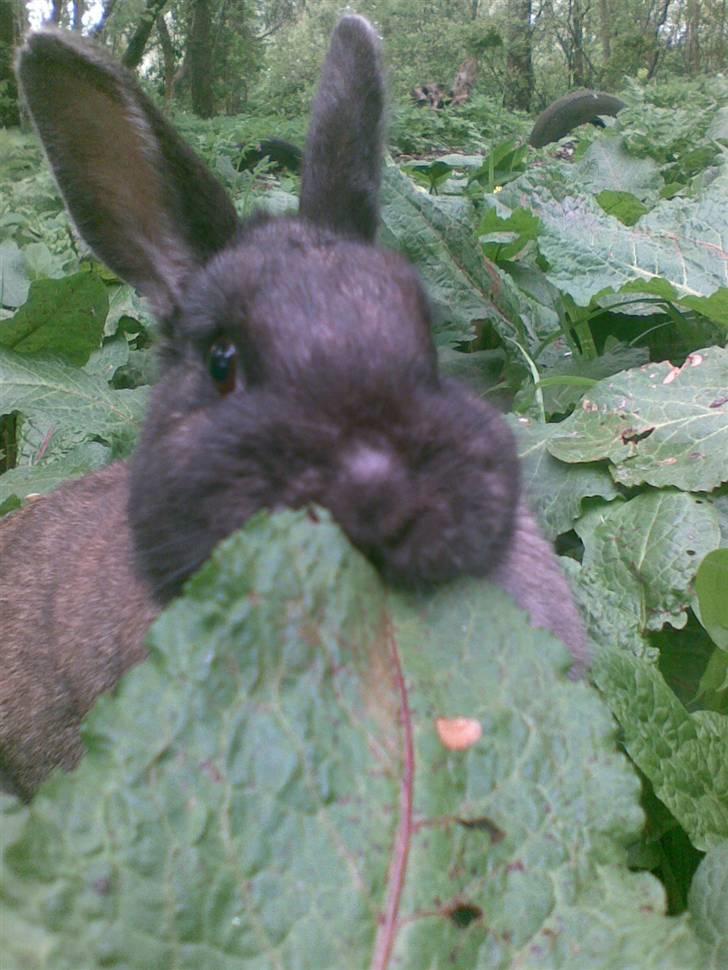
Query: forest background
{"type": "Point", "coordinates": [229, 56]}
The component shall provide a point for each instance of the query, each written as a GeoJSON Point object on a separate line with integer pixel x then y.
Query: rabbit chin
{"type": "Point", "coordinates": [435, 548]}
{"type": "Point", "coordinates": [424, 526]}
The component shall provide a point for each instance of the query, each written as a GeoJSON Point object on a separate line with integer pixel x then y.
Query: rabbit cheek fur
{"type": "Point", "coordinates": [421, 475]}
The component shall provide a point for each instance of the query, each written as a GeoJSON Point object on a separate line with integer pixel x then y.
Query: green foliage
{"type": "Point", "coordinates": [291, 797]}
{"type": "Point", "coordinates": [590, 294]}
{"type": "Point", "coordinates": [658, 425]}
{"type": "Point", "coordinates": [711, 583]}
{"type": "Point", "coordinates": [708, 905]}
{"type": "Point", "coordinates": [62, 317]}
{"type": "Point", "coordinates": [472, 127]}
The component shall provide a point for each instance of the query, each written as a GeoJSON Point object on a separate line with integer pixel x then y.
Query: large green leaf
{"type": "Point", "coordinates": [62, 406]}
{"type": "Point", "coordinates": [709, 904]}
{"type": "Point", "coordinates": [556, 490]}
{"type": "Point", "coordinates": [711, 584]}
{"type": "Point", "coordinates": [437, 235]}
{"type": "Point", "coordinates": [658, 424]}
{"type": "Point", "coordinates": [25, 480]}
{"type": "Point", "coordinates": [647, 551]}
{"type": "Point", "coordinates": [285, 783]}
{"type": "Point", "coordinates": [606, 164]}
{"type": "Point", "coordinates": [588, 251]}
{"type": "Point", "coordinates": [683, 755]}
{"type": "Point", "coordinates": [61, 317]}
{"type": "Point", "coordinates": [565, 379]}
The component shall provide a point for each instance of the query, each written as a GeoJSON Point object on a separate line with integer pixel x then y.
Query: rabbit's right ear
{"type": "Point", "coordinates": [143, 201]}
{"type": "Point", "coordinates": [343, 159]}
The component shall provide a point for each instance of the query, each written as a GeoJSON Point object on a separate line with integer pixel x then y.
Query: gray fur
{"type": "Point", "coordinates": [336, 397]}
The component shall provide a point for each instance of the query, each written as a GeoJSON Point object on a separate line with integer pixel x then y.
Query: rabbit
{"type": "Point", "coordinates": [297, 367]}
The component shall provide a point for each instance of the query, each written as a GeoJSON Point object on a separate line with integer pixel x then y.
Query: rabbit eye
{"type": "Point", "coordinates": [222, 362]}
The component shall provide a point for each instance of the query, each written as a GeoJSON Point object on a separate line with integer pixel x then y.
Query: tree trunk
{"type": "Point", "coordinates": [654, 57]}
{"type": "Point", "coordinates": [519, 64]}
{"type": "Point", "coordinates": [199, 60]}
{"type": "Point", "coordinates": [168, 56]}
{"type": "Point", "coordinates": [135, 50]}
{"type": "Point", "coordinates": [79, 9]}
{"type": "Point", "coordinates": [100, 26]}
{"type": "Point", "coordinates": [54, 17]}
{"type": "Point", "coordinates": [464, 82]}
{"type": "Point", "coordinates": [10, 32]}
{"type": "Point", "coordinates": [605, 30]}
{"type": "Point", "coordinates": [692, 45]}
{"type": "Point", "coordinates": [579, 66]}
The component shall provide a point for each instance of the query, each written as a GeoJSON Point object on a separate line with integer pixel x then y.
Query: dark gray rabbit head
{"type": "Point", "coordinates": [297, 361]}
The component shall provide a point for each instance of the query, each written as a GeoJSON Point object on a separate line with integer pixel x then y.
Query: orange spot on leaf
{"type": "Point", "coordinates": [458, 733]}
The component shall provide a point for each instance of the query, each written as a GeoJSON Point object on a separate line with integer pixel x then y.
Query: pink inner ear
{"type": "Point", "coordinates": [109, 169]}
{"type": "Point", "coordinates": [145, 204]}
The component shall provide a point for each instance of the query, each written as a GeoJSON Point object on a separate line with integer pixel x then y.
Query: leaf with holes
{"type": "Point", "coordinates": [657, 424]}
{"type": "Point", "coordinates": [313, 772]}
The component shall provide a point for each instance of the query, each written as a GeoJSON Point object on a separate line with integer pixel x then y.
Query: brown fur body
{"type": "Point", "coordinates": [73, 616]}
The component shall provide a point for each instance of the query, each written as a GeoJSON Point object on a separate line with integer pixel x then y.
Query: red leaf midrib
{"type": "Point", "coordinates": [389, 920]}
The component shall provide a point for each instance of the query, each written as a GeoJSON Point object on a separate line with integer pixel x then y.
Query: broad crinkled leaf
{"type": "Point", "coordinates": [63, 317]}
{"type": "Point", "coordinates": [62, 407]}
{"type": "Point", "coordinates": [106, 361]}
{"type": "Point", "coordinates": [682, 240]}
{"type": "Point", "coordinates": [555, 490]}
{"type": "Point", "coordinates": [612, 614]}
{"type": "Point", "coordinates": [278, 786]}
{"type": "Point", "coordinates": [708, 902]}
{"type": "Point", "coordinates": [658, 424]}
{"type": "Point", "coordinates": [14, 282]}
{"type": "Point", "coordinates": [606, 164]}
{"type": "Point", "coordinates": [647, 551]}
{"type": "Point", "coordinates": [683, 755]}
{"type": "Point", "coordinates": [446, 250]}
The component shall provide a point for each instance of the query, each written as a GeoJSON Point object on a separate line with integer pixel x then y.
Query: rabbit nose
{"type": "Point", "coordinates": [368, 464]}
{"type": "Point", "coordinates": [369, 497]}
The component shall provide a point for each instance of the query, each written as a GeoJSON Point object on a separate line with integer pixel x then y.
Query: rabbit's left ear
{"type": "Point", "coordinates": [142, 200]}
{"type": "Point", "coordinates": [343, 158]}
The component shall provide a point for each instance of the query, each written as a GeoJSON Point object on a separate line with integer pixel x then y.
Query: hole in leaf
{"type": "Point", "coordinates": [483, 825]}
{"type": "Point", "coordinates": [632, 435]}
{"type": "Point", "coordinates": [463, 914]}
